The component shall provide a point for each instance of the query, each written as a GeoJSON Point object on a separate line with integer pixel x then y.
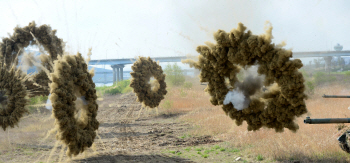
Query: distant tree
{"type": "Point", "coordinates": [342, 63]}
{"type": "Point", "coordinates": [174, 74]}
{"type": "Point", "coordinates": [317, 63]}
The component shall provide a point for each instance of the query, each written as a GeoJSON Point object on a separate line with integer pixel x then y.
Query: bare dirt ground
{"type": "Point", "coordinates": [122, 136]}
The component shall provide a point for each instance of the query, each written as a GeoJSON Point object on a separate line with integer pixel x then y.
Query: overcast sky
{"type": "Point", "coordinates": [129, 28]}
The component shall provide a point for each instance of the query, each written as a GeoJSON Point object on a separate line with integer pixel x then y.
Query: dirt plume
{"type": "Point", "coordinates": [143, 69]}
{"type": "Point", "coordinates": [73, 97]}
{"type": "Point", "coordinates": [11, 47]}
{"type": "Point", "coordinates": [13, 96]}
{"type": "Point", "coordinates": [240, 49]}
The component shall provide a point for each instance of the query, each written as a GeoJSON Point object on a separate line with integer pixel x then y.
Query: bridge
{"type": "Point", "coordinates": [118, 64]}
{"type": "Point", "coordinates": [105, 76]}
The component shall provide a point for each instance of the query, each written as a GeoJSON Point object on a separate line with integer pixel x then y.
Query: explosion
{"type": "Point", "coordinates": [75, 117]}
{"type": "Point", "coordinates": [11, 47]}
{"type": "Point", "coordinates": [13, 96]}
{"type": "Point", "coordinates": [143, 70]}
{"type": "Point", "coordinates": [72, 91]}
{"type": "Point", "coordinates": [244, 101]}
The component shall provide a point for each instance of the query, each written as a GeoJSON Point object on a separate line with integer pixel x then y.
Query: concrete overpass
{"type": "Point", "coordinates": [118, 64]}
{"type": "Point", "coordinates": [105, 77]}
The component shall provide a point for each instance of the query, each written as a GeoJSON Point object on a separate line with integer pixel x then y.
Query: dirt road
{"type": "Point", "coordinates": [123, 136]}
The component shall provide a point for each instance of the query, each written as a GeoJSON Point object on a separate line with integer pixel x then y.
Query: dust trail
{"type": "Point", "coordinates": [53, 150]}
{"type": "Point", "coordinates": [125, 127]}
{"type": "Point", "coordinates": [61, 153]}
{"type": "Point", "coordinates": [89, 56]}
{"type": "Point", "coordinates": [244, 101]}
{"type": "Point", "coordinates": [99, 138]}
{"type": "Point", "coordinates": [8, 139]}
{"type": "Point", "coordinates": [26, 61]}
{"type": "Point", "coordinates": [183, 35]}
{"type": "Point", "coordinates": [206, 30]}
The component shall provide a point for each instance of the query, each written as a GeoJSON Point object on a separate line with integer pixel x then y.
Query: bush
{"type": "Point", "coordinates": [322, 77]}
{"type": "Point", "coordinates": [37, 100]}
{"type": "Point", "coordinates": [127, 89]}
{"type": "Point", "coordinates": [183, 93]}
{"type": "Point", "coordinates": [174, 75]}
{"type": "Point", "coordinates": [260, 158]}
{"type": "Point", "coordinates": [310, 86]}
{"type": "Point", "coordinates": [167, 104]}
{"type": "Point", "coordinates": [120, 87]}
{"type": "Point", "coordinates": [113, 91]}
{"type": "Point", "coordinates": [347, 73]}
{"type": "Point", "coordinates": [188, 85]}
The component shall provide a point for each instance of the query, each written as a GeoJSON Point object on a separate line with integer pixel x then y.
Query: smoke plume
{"type": "Point", "coordinates": [244, 101]}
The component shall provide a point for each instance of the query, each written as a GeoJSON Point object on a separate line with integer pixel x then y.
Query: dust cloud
{"type": "Point", "coordinates": [143, 69]}
{"type": "Point", "coordinates": [12, 47]}
{"type": "Point", "coordinates": [14, 96]}
{"type": "Point", "coordinates": [244, 101]}
{"type": "Point", "coordinates": [73, 97]}
{"type": "Point", "coordinates": [64, 77]}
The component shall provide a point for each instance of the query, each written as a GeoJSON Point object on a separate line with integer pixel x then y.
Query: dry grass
{"type": "Point", "coordinates": [31, 130]}
{"type": "Point", "coordinates": [310, 143]}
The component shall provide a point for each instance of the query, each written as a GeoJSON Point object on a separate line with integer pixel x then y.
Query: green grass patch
{"type": "Point", "coordinates": [167, 104]}
{"type": "Point", "coordinates": [174, 75]}
{"type": "Point", "coordinates": [185, 136]}
{"type": "Point", "coordinates": [35, 101]}
{"type": "Point", "coordinates": [208, 151]}
{"type": "Point", "coordinates": [259, 157]}
{"type": "Point", "coordinates": [188, 149]}
{"type": "Point", "coordinates": [120, 87]}
{"type": "Point", "coordinates": [187, 85]}
{"type": "Point", "coordinates": [216, 147]}
{"type": "Point", "coordinates": [199, 149]}
{"type": "Point", "coordinates": [234, 150]}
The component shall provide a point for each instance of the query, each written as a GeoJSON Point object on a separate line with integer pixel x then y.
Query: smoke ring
{"type": "Point", "coordinates": [143, 69]}
{"type": "Point", "coordinates": [278, 107]}
{"type": "Point", "coordinates": [24, 37]}
{"type": "Point", "coordinates": [11, 81]}
{"type": "Point", "coordinates": [70, 76]}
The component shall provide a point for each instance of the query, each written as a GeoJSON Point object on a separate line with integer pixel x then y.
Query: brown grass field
{"type": "Point", "coordinates": [312, 142]}
{"type": "Point", "coordinates": [184, 115]}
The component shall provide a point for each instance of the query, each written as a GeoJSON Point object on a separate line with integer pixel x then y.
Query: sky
{"type": "Point", "coordinates": [130, 28]}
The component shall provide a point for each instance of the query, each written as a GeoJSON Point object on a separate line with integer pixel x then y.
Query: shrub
{"type": "Point", "coordinates": [322, 77]}
{"type": "Point", "coordinates": [127, 89]}
{"type": "Point", "coordinates": [347, 73]}
{"type": "Point", "coordinates": [183, 93]}
{"type": "Point", "coordinates": [37, 100]}
{"type": "Point", "coordinates": [310, 86]}
{"type": "Point", "coordinates": [120, 87]}
{"type": "Point", "coordinates": [34, 101]}
{"type": "Point", "coordinates": [187, 85]}
{"type": "Point", "coordinates": [113, 91]}
{"type": "Point", "coordinates": [174, 75]}
{"type": "Point", "coordinates": [167, 104]}
{"type": "Point", "coordinates": [260, 158]}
